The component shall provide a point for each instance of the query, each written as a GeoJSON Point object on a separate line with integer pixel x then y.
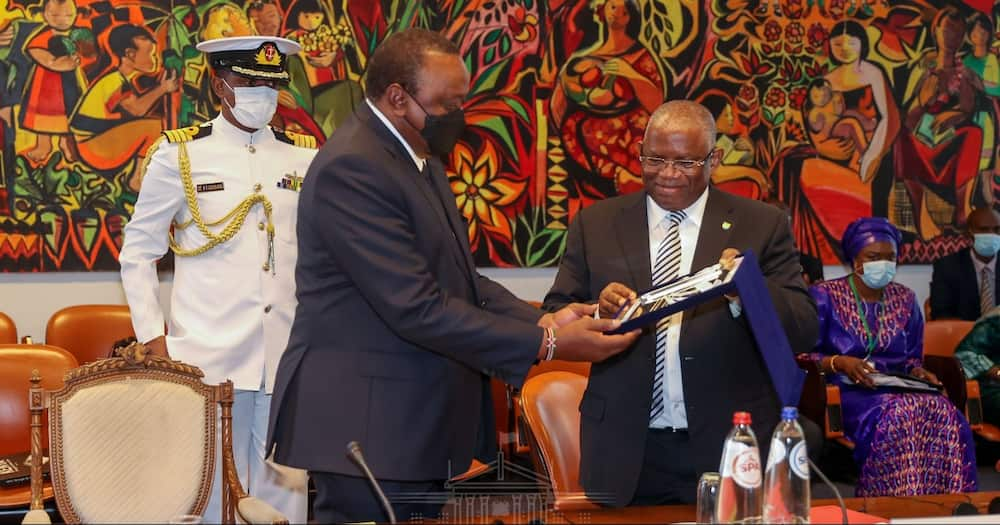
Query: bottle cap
{"type": "Point", "coordinates": [741, 418]}
{"type": "Point", "coordinates": [789, 413]}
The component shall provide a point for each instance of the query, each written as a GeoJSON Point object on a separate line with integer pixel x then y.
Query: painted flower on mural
{"type": "Point", "coordinates": [481, 190]}
{"type": "Point", "coordinates": [748, 106]}
{"type": "Point", "coordinates": [794, 33]}
{"type": "Point", "coordinates": [817, 36]}
{"type": "Point", "coordinates": [772, 31]}
{"type": "Point", "coordinates": [775, 97]}
{"type": "Point", "coordinates": [794, 9]}
{"type": "Point", "coordinates": [797, 97]}
{"type": "Point", "coordinates": [523, 25]}
{"type": "Point", "coordinates": [838, 8]}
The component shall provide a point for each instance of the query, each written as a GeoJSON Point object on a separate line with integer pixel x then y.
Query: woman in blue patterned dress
{"type": "Point", "coordinates": [906, 442]}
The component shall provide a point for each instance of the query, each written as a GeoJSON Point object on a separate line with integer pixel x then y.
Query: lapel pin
{"type": "Point", "coordinates": [726, 225]}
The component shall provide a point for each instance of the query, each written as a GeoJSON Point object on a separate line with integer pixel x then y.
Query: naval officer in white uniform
{"type": "Point", "coordinates": [229, 191]}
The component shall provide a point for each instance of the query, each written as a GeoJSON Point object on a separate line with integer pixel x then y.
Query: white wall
{"type": "Point", "coordinates": [30, 298]}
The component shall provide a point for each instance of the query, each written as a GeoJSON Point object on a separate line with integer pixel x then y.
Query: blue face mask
{"type": "Point", "coordinates": [878, 274]}
{"type": "Point", "coordinates": [986, 244]}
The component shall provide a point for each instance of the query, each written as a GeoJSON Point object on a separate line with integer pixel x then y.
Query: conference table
{"type": "Point", "coordinates": [884, 507]}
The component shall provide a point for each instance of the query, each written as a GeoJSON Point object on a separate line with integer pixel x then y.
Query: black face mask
{"type": "Point", "coordinates": [441, 131]}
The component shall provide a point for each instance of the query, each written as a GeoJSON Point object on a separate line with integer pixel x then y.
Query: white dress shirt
{"type": "Point", "coordinates": [674, 414]}
{"type": "Point", "coordinates": [395, 132]}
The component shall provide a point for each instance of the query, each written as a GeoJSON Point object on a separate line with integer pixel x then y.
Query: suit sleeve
{"type": "Point", "coordinates": [782, 271]}
{"type": "Point", "coordinates": [500, 301]}
{"type": "Point", "coordinates": [572, 283]}
{"type": "Point", "coordinates": [363, 219]}
{"type": "Point", "coordinates": [944, 290]}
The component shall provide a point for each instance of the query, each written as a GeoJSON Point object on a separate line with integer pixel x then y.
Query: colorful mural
{"type": "Point", "coordinates": [838, 108]}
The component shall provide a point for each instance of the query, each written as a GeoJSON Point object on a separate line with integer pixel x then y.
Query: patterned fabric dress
{"type": "Point", "coordinates": [906, 443]}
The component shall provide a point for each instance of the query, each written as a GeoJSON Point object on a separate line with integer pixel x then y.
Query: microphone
{"type": "Point", "coordinates": [964, 509]}
{"type": "Point", "coordinates": [994, 507]}
{"type": "Point", "coordinates": [354, 452]}
{"type": "Point", "coordinates": [840, 500]}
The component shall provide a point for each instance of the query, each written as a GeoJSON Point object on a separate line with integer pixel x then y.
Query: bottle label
{"type": "Point", "coordinates": [799, 460]}
{"type": "Point", "coordinates": [746, 468]}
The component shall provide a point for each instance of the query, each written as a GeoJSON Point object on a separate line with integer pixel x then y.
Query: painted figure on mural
{"type": "Point", "coordinates": [830, 182]}
{"type": "Point", "coordinates": [320, 72]}
{"type": "Point", "coordinates": [938, 157]}
{"type": "Point", "coordinates": [56, 80]}
{"type": "Point", "coordinates": [603, 98]}
{"type": "Point", "coordinates": [116, 122]}
{"type": "Point", "coordinates": [223, 20]}
{"type": "Point", "coordinates": [982, 60]}
{"type": "Point", "coordinates": [267, 18]}
{"type": "Point", "coordinates": [827, 117]}
{"type": "Point", "coordinates": [738, 172]}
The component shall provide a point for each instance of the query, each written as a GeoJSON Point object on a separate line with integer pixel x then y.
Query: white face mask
{"type": "Point", "coordinates": [254, 106]}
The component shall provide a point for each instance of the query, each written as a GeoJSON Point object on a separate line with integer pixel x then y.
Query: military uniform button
{"type": "Point", "coordinates": [267, 267]}
{"type": "Point", "coordinates": [252, 149]}
{"type": "Point", "coordinates": [260, 226]}
{"type": "Point", "coordinates": [257, 187]}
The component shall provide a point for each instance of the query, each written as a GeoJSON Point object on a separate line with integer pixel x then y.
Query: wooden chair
{"type": "Point", "coordinates": [551, 406]}
{"type": "Point", "coordinates": [89, 331]}
{"type": "Point", "coordinates": [820, 402]}
{"type": "Point", "coordinates": [8, 331]}
{"type": "Point", "coordinates": [134, 440]}
{"type": "Point", "coordinates": [16, 365]}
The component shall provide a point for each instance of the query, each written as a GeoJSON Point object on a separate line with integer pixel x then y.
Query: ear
{"type": "Point", "coordinates": [218, 86]}
{"type": "Point", "coordinates": [396, 99]}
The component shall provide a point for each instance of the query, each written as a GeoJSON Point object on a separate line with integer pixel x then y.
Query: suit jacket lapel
{"type": "Point", "coordinates": [425, 187]}
{"type": "Point", "coordinates": [970, 281]}
{"type": "Point", "coordinates": [713, 235]}
{"type": "Point", "coordinates": [456, 225]}
{"type": "Point", "coordinates": [633, 237]}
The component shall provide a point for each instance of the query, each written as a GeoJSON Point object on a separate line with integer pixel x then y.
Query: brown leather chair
{"type": "Point", "coordinates": [551, 407]}
{"type": "Point", "coordinates": [89, 331]}
{"type": "Point", "coordinates": [16, 364]}
{"type": "Point", "coordinates": [8, 331]}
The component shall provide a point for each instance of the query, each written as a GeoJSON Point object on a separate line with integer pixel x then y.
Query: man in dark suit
{"type": "Point", "coordinates": [396, 334]}
{"type": "Point", "coordinates": [964, 284]}
{"type": "Point", "coordinates": [655, 417]}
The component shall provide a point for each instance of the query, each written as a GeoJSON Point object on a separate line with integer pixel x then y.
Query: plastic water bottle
{"type": "Point", "coordinates": [786, 479]}
{"type": "Point", "coordinates": [741, 486]}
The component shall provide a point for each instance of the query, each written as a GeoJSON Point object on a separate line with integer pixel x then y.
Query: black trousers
{"type": "Point", "coordinates": [351, 499]}
{"type": "Point", "coordinates": [667, 475]}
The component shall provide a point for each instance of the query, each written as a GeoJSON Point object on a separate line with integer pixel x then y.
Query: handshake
{"type": "Point", "coordinates": [581, 337]}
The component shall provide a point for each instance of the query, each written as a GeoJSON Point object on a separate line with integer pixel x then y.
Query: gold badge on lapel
{"type": "Point", "coordinates": [726, 225]}
{"type": "Point", "coordinates": [291, 181]}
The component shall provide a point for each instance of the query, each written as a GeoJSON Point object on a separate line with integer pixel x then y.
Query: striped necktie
{"type": "Point", "coordinates": [668, 265]}
{"type": "Point", "coordinates": [986, 299]}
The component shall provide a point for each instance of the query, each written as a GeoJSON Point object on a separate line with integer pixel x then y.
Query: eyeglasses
{"type": "Point", "coordinates": [652, 163]}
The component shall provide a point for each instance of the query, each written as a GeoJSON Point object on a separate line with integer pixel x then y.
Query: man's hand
{"type": "Point", "coordinates": [728, 260]}
{"type": "Point", "coordinates": [566, 315]}
{"type": "Point", "coordinates": [158, 347]}
{"type": "Point", "coordinates": [584, 340]}
{"type": "Point", "coordinates": [613, 297]}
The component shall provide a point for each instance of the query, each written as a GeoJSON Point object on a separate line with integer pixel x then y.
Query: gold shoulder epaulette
{"type": "Point", "coordinates": [187, 134]}
{"type": "Point", "coordinates": [296, 139]}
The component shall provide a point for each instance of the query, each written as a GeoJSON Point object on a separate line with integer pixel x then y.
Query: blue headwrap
{"type": "Point", "coordinates": [865, 231]}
